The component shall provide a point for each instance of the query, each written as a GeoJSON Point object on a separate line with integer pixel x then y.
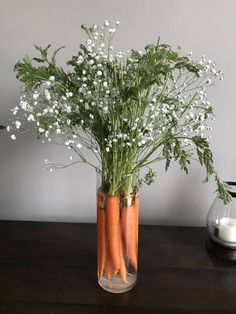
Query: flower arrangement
{"type": "Point", "coordinates": [129, 109]}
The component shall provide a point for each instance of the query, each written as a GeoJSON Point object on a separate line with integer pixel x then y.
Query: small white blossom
{"type": "Point", "coordinates": [69, 94]}
{"type": "Point", "coordinates": [79, 145]}
{"type": "Point", "coordinates": [15, 110]}
{"type": "Point", "coordinates": [18, 124]}
{"type": "Point", "coordinates": [47, 95]}
{"type": "Point", "coordinates": [105, 109]}
{"type": "Point", "coordinates": [99, 73]}
{"type": "Point", "coordinates": [13, 137]}
{"type": "Point", "coordinates": [31, 117]}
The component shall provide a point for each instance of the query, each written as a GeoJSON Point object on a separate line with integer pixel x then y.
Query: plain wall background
{"type": "Point", "coordinates": [201, 26]}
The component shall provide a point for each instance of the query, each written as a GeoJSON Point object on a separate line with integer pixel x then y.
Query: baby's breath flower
{"type": "Point", "coordinates": [114, 107]}
{"type": "Point", "coordinates": [18, 124]}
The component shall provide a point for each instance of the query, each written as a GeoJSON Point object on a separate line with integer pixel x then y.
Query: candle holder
{"type": "Point", "coordinates": [221, 227]}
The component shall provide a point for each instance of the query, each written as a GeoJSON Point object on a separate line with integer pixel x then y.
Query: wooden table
{"type": "Point", "coordinates": [50, 268]}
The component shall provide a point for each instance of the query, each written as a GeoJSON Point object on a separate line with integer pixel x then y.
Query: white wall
{"type": "Point", "coordinates": [201, 26]}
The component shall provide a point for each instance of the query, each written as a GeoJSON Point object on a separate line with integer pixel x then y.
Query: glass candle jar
{"type": "Point", "coordinates": [221, 221]}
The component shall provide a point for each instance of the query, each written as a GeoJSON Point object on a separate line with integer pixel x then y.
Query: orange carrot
{"type": "Point", "coordinates": [108, 263]}
{"type": "Point", "coordinates": [101, 245]}
{"type": "Point", "coordinates": [112, 225]}
{"type": "Point", "coordinates": [136, 215]}
{"type": "Point", "coordinates": [115, 272]}
{"type": "Point", "coordinates": [122, 270]}
{"type": "Point", "coordinates": [129, 229]}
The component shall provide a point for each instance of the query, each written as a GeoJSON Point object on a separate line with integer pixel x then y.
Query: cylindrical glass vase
{"type": "Point", "coordinates": [117, 239]}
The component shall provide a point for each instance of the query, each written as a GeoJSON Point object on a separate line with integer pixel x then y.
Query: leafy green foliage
{"type": "Point", "coordinates": [125, 109]}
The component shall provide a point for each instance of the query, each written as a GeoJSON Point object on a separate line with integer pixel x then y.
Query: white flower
{"type": "Point", "coordinates": [8, 128]}
{"type": "Point", "coordinates": [91, 116]}
{"type": "Point", "coordinates": [31, 117]}
{"type": "Point", "coordinates": [35, 95]}
{"type": "Point", "coordinates": [41, 130]}
{"type": "Point", "coordinates": [112, 30]}
{"type": "Point", "coordinates": [69, 94]}
{"type": "Point", "coordinates": [71, 158]}
{"type": "Point", "coordinates": [99, 73]}
{"type": "Point", "coordinates": [68, 108]}
{"type": "Point", "coordinates": [47, 95]}
{"type": "Point", "coordinates": [117, 22]}
{"type": "Point", "coordinates": [105, 84]}
{"type": "Point", "coordinates": [52, 78]}
{"type": "Point", "coordinates": [105, 109]}
{"type": "Point", "coordinates": [23, 104]}
{"type": "Point", "coordinates": [107, 23]}
{"type": "Point", "coordinates": [89, 41]}
{"type": "Point", "coordinates": [79, 145]}
{"type": "Point", "coordinates": [18, 124]}
{"type": "Point", "coordinates": [13, 137]}
{"type": "Point", "coordinates": [58, 131]}
{"type": "Point", "coordinates": [107, 149]}
{"type": "Point", "coordinates": [15, 110]}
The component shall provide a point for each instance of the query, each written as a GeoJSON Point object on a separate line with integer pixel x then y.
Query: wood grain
{"type": "Point", "coordinates": [51, 268]}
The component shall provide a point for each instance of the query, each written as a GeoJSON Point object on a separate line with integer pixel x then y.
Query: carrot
{"type": "Point", "coordinates": [101, 196]}
{"type": "Point", "coordinates": [136, 215]}
{"type": "Point", "coordinates": [115, 272]}
{"type": "Point", "coordinates": [101, 245]}
{"type": "Point", "coordinates": [122, 270]}
{"type": "Point", "coordinates": [108, 263]}
{"type": "Point", "coordinates": [129, 229]}
{"type": "Point", "coordinates": [112, 225]}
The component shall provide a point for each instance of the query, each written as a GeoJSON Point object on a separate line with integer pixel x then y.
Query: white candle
{"type": "Point", "coordinates": [227, 229]}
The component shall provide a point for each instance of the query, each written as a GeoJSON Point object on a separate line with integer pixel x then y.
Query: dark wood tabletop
{"type": "Point", "coordinates": [50, 268]}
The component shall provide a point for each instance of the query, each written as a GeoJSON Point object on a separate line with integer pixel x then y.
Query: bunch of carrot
{"type": "Point", "coordinates": [117, 231]}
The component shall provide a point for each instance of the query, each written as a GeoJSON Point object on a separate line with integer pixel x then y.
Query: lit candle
{"type": "Point", "coordinates": [227, 229]}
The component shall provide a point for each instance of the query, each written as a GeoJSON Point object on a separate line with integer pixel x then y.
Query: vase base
{"type": "Point", "coordinates": [116, 285]}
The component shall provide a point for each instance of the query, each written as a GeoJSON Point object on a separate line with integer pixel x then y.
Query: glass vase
{"type": "Point", "coordinates": [117, 239]}
{"type": "Point", "coordinates": [221, 221]}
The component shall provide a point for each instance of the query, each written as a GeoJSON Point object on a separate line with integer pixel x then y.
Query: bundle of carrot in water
{"type": "Point", "coordinates": [117, 230]}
